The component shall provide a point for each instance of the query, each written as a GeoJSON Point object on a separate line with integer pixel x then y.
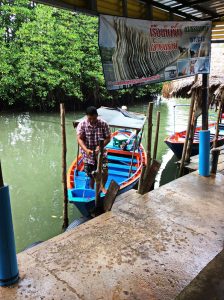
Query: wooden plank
{"type": "Point", "coordinates": [110, 196]}
{"type": "Point", "coordinates": [149, 177]}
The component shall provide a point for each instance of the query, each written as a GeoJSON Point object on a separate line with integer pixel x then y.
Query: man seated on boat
{"type": "Point", "coordinates": [89, 133]}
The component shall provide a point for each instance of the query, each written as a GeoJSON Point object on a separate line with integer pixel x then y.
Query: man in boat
{"type": "Point", "coordinates": [89, 133]}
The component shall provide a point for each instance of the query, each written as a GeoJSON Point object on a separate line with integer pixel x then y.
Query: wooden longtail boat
{"type": "Point", "coordinates": [176, 141]}
{"type": "Point", "coordinates": [124, 165]}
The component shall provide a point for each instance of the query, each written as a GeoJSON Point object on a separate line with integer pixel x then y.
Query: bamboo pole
{"type": "Point", "coordinates": [149, 134]}
{"type": "Point", "coordinates": [191, 134]}
{"type": "Point", "coordinates": [1, 177]}
{"type": "Point", "coordinates": [64, 150]}
{"type": "Point", "coordinates": [187, 137]}
{"type": "Point", "coordinates": [156, 135]}
{"type": "Point", "coordinates": [215, 142]}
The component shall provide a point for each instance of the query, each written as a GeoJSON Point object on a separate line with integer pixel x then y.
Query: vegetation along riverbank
{"type": "Point", "coordinates": [49, 55]}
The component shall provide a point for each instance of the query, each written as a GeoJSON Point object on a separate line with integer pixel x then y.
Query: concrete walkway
{"type": "Point", "coordinates": [193, 164]}
{"type": "Point", "coordinates": [148, 247]}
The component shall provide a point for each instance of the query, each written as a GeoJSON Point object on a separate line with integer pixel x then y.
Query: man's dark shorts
{"type": "Point", "coordinates": [89, 168]}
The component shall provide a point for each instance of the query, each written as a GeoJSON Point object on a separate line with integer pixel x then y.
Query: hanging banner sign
{"type": "Point", "coordinates": [138, 52]}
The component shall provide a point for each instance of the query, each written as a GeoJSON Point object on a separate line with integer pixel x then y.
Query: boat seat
{"type": "Point", "coordinates": [119, 173]}
{"type": "Point", "coordinates": [119, 166]}
{"type": "Point", "coordinates": [121, 159]}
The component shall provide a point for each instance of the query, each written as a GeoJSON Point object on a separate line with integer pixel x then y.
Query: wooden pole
{"type": "Point", "coordinates": [215, 142]}
{"type": "Point", "coordinates": [98, 177]}
{"type": "Point", "coordinates": [1, 177]}
{"type": "Point", "coordinates": [141, 180]}
{"type": "Point", "coordinates": [149, 135]}
{"type": "Point", "coordinates": [145, 169]}
{"type": "Point", "coordinates": [157, 135]}
{"type": "Point", "coordinates": [124, 8]}
{"type": "Point", "coordinates": [215, 159]}
{"type": "Point", "coordinates": [187, 137]}
{"type": "Point", "coordinates": [64, 167]}
{"type": "Point", "coordinates": [191, 133]}
{"type": "Point", "coordinates": [205, 94]}
{"type": "Point", "coordinates": [110, 196]}
{"type": "Point", "coordinates": [133, 153]}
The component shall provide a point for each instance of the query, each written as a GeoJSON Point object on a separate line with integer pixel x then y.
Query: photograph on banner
{"type": "Point", "coordinates": [138, 52]}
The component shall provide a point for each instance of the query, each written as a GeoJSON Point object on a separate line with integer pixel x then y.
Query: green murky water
{"type": "Point", "coordinates": [30, 151]}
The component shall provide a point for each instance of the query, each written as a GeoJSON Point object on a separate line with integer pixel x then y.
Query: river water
{"type": "Point", "coordinates": [30, 151]}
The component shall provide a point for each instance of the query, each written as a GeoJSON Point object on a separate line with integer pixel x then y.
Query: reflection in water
{"type": "Point", "coordinates": [167, 170]}
{"type": "Point", "coordinates": [23, 131]}
{"type": "Point", "coordinates": [30, 149]}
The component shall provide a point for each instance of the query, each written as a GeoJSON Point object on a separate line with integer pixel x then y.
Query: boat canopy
{"type": "Point", "coordinates": [120, 118]}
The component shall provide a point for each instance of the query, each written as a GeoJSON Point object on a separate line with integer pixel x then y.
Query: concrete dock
{"type": "Point", "coordinates": [147, 247]}
{"type": "Point", "coordinates": [193, 164]}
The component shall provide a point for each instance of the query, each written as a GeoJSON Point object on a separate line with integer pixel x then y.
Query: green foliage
{"type": "Point", "coordinates": [49, 55]}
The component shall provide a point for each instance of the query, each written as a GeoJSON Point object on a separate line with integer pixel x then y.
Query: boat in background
{"type": "Point", "coordinates": [126, 157]}
{"type": "Point", "coordinates": [176, 141]}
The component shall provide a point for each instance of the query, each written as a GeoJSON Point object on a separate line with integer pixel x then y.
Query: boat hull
{"type": "Point", "coordinates": [177, 148]}
{"type": "Point", "coordinates": [119, 170]}
{"type": "Point", "coordinates": [176, 141]}
{"type": "Point", "coordinates": [86, 208]}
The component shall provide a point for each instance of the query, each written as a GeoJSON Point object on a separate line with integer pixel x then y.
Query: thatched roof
{"type": "Point", "coordinates": [183, 88]}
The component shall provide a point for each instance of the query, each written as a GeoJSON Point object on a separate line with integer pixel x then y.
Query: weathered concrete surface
{"type": "Point", "coordinates": [148, 247]}
{"type": "Point", "coordinates": [209, 284]}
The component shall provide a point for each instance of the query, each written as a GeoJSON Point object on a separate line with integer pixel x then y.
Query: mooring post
{"type": "Point", "coordinates": [205, 94]}
{"type": "Point", "coordinates": [9, 273]}
{"type": "Point", "coordinates": [156, 135]}
{"type": "Point", "coordinates": [187, 136]}
{"type": "Point", "coordinates": [148, 149]}
{"type": "Point", "coordinates": [215, 141]}
{"type": "Point", "coordinates": [64, 167]}
{"type": "Point", "coordinates": [192, 131]}
{"type": "Point", "coordinates": [204, 153]}
{"type": "Point", "coordinates": [149, 134]}
{"type": "Point", "coordinates": [141, 180]}
{"type": "Point", "coordinates": [214, 160]}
